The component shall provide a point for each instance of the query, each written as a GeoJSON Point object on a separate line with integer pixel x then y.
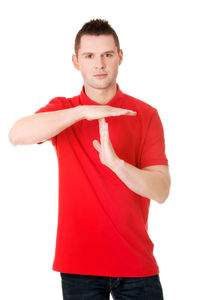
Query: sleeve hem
{"type": "Point", "coordinates": [154, 162]}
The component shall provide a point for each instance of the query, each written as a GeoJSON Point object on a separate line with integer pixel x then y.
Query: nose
{"type": "Point", "coordinates": [99, 62]}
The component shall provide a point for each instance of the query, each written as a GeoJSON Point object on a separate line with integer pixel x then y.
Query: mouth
{"type": "Point", "coordinates": [100, 75]}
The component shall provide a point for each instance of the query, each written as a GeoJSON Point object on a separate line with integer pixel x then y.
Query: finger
{"type": "Point", "coordinates": [101, 130]}
{"type": "Point", "coordinates": [100, 125]}
{"type": "Point", "coordinates": [96, 145]}
{"type": "Point", "coordinates": [106, 129]}
{"type": "Point", "coordinates": [105, 135]}
{"type": "Point", "coordinates": [100, 122]}
{"type": "Point", "coordinates": [130, 112]}
{"type": "Point", "coordinates": [102, 133]}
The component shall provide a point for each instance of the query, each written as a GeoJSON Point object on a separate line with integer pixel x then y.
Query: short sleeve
{"type": "Point", "coordinates": [54, 104]}
{"type": "Point", "coordinates": [153, 151]}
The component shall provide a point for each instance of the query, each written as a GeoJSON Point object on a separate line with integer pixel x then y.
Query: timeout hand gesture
{"type": "Point", "coordinates": [107, 154]}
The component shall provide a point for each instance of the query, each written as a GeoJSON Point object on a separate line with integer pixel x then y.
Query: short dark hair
{"type": "Point", "coordinates": [95, 27]}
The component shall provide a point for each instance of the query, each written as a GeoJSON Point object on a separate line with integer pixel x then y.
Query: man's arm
{"type": "Point", "coordinates": [44, 125]}
{"type": "Point", "coordinates": [152, 182]}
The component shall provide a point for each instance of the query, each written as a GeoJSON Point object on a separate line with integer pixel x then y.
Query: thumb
{"type": "Point", "coordinates": [96, 145]}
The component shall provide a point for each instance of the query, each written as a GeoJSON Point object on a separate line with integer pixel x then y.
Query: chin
{"type": "Point", "coordinates": [101, 84]}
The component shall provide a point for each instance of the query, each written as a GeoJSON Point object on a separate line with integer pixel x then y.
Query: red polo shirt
{"type": "Point", "coordinates": [102, 224]}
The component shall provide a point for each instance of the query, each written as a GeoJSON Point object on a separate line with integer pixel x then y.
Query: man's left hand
{"type": "Point", "coordinates": [107, 154]}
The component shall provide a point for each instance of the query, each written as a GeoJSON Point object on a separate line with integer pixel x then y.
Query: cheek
{"type": "Point", "coordinates": [114, 64]}
{"type": "Point", "coordinates": [86, 67]}
{"type": "Point", "coordinates": [84, 70]}
{"type": "Point", "coordinates": [114, 67]}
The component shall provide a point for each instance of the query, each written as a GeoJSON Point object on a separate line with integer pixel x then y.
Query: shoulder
{"type": "Point", "coordinates": [64, 102]}
{"type": "Point", "coordinates": [145, 111]}
{"type": "Point", "coordinates": [139, 104]}
{"type": "Point", "coordinates": [58, 103]}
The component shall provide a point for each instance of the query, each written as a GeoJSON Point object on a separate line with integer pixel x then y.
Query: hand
{"type": "Point", "coordinates": [92, 112]}
{"type": "Point", "coordinates": [107, 154]}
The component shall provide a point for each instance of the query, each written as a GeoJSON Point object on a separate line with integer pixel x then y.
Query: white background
{"type": "Point", "coordinates": [160, 40]}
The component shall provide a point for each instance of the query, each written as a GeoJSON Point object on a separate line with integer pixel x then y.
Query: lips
{"type": "Point", "coordinates": [100, 75]}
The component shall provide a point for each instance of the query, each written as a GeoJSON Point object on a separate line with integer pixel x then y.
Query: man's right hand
{"type": "Point", "coordinates": [92, 112]}
{"type": "Point", "coordinates": [42, 126]}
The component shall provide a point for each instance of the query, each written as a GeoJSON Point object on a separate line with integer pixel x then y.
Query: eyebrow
{"type": "Point", "coordinates": [109, 51]}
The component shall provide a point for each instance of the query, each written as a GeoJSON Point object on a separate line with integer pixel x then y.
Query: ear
{"type": "Point", "coordinates": [120, 56]}
{"type": "Point", "coordinates": [75, 61]}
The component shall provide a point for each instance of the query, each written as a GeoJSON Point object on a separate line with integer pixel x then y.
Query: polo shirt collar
{"type": "Point", "coordinates": [116, 100]}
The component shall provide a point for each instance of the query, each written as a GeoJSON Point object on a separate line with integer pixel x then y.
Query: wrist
{"type": "Point", "coordinates": [117, 164]}
{"type": "Point", "coordinates": [80, 110]}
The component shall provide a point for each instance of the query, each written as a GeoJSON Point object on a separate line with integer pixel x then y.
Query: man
{"type": "Point", "coordinates": [112, 161]}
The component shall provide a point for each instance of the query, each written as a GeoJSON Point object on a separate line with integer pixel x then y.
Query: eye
{"type": "Point", "coordinates": [89, 56]}
{"type": "Point", "coordinates": [108, 54]}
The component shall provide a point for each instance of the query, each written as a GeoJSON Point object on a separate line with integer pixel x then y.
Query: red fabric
{"type": "Point", "coordinates": [102, 224]}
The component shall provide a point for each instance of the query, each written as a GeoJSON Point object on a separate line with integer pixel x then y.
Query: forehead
{"type": "Point", "coordinates": [93, 43]}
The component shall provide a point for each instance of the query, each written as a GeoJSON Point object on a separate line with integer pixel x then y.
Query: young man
{"type": "Point", "coordinates": [112, 161]}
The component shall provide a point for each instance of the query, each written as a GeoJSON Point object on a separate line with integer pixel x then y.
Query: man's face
{"type": "Point", "coordinates": [98, 61]}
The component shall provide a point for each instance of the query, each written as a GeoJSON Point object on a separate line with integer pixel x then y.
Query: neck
{"type": "Point", "coordinates": [101, 96]}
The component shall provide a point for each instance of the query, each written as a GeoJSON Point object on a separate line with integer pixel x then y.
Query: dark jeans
{"type": "Point", "coordinates": [89, 287]}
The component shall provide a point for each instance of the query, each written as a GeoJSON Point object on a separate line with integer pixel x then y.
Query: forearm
{"type": "Point", "coordinates": [152, 185]}
{"type": "Point", "coordinates": [42, 126]}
